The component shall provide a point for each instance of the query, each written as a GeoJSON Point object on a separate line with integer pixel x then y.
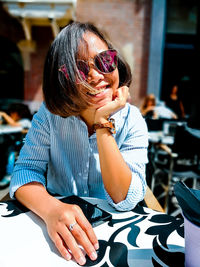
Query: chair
{"type": "Point", "coordinates": [178, 162]}
{"type": "Point", "coordinates": [151, 201]}
{"type": "Point", "coordinates": [154, 124]}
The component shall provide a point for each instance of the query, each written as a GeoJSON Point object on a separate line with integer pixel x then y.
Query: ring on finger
{"type": "Point", "coordinates": [71, 226]}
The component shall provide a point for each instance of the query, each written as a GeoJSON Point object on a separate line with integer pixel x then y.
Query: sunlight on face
{"type": "Point", "coordinates": [104, 85]}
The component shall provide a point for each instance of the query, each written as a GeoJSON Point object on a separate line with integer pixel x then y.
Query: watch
{"type": "Point", "coordinates": [110, 125]}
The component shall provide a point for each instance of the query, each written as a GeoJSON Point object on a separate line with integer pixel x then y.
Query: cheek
{"type": "Point", "coordinates": [115, 80]}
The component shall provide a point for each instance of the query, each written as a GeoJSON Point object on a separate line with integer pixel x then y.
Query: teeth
{"type": "Point", "coordinates": [95, 91]}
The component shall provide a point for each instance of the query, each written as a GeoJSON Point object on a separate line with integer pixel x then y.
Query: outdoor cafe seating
{"type": "Point", "coordinates": [170, 162]}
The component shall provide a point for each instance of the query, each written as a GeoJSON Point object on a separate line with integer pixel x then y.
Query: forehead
{"type": "Point", "coordinates": [91, 45]}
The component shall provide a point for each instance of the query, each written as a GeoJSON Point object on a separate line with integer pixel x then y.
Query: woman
{"type": "Point", "coordinates": [148, 107]}
{"type": "Point", "coordinates": [174, 103]}
{"type": "Point", "coordinates": [18, 115]}
{"type": "Point", "coordinates": [73, 139]}
{"type": "Point", "coordinates": [150, 110]}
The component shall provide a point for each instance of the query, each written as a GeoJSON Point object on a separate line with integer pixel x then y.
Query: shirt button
{"type": "Point", "coordinates": [85, 192]}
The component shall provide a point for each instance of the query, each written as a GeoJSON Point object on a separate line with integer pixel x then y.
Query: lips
{"type": "Point", "coordinates": [96, 91]}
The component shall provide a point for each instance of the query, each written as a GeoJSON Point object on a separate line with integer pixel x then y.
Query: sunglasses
{"type": "Point", "coordinates": [105, 62]}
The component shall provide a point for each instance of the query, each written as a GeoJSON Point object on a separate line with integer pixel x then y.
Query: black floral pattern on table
{"type": "Point", "coordinates": [14, 206]}
{"type": "Point", "coordinates": [167, 225]}
{"type": "Point", "coordinates": [118, 252]}
{"type": "Point", "coordinates": [162, 231]}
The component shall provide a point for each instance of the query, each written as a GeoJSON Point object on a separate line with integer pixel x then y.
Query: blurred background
{"type": "Point", "coordinates": [159, 38]}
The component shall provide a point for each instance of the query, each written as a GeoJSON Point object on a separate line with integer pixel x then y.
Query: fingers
{"type": "Point", "coordinates": [87, 228]}
{"type": "Point", "coordinates": [59, 243]}
{"type": "Point", "coordinates": [84, 233]}
{"type": "Point", "coordinates": [78, 236]}
{"type": "Point", "coordinates": [119, 101]}
{"type": "Point", "coordinates": [73, 231]}
{"type": "Point", "coordinates": [72, 244]}
{"type": "Point", "coordinates": [122, 95]}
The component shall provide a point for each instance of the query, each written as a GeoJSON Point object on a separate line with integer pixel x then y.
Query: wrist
{"type": "Point", "coordinates": [100, 119]}
{"type": "Point", "coordinates": [107, 124]}
{"type": "Point", "coordinates": [54, 205]}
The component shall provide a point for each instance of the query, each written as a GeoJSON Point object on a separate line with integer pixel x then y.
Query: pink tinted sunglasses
{"type": "Point", "coordinates": [105, 62]}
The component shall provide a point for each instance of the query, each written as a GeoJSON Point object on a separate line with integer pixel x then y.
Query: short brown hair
{"type": "Point", "coordinates": [62, 96]}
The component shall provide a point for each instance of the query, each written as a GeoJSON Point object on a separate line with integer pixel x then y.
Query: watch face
{"type": "Point", "coordinates": [112, 128]}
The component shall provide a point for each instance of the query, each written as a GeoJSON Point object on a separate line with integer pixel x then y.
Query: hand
{"type": "Point", "coordinates": [118, 103]}
{"type": "Point", "coordinates": [67, 242]}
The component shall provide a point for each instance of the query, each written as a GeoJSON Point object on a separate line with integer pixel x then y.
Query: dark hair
{"type": "Point", "coordinates": [61, 95]}
{"type": "Point", "coordinates": [22, 110]}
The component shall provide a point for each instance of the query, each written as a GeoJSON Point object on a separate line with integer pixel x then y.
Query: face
{"type": "Point", "coordinates": [14, 116]}
{"type": "Point", "coordinates": [150, 102]}
{"type": "Point", "coordinates": [175, 89]}
{"type": "Point", "coordinates": [103, 85]}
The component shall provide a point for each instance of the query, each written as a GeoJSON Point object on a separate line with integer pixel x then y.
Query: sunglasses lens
{"type": "Point", "coordinates": [106, 61]}
{"type": "Point", "coordinates": [83, 69]}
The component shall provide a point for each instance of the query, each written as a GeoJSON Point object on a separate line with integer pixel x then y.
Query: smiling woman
{"type": "Point", "coordinates": [74, 65]}
{"type": "Point", "coordinates": [85, 140]}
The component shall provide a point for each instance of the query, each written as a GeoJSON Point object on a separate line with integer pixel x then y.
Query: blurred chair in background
{"type": "Point", "coordinates": [181, 161]}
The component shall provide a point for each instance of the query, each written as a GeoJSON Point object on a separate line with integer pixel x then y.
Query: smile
{"type": "Point", "coordinates": [95, 92]}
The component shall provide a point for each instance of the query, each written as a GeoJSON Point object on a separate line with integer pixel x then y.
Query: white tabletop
{"type": "Point", "coordinates": [160, 137]}
{"type": "Point", "coordinates": [142, 237]}
{"type": "Point", "coordinates": [7, 129]}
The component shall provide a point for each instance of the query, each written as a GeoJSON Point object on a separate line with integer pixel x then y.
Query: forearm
{"type": "Point", "coordinates": [9, 120]}
{"type": "Point", "coordinates": [116, 174]}
{"type": "Point", "coordinates": [35, 197]}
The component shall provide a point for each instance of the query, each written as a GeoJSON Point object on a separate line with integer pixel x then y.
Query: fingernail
{"type": "Point", "coordinates": [96, 246]}
{"type": "Point", "coordinates": [82, 260]}
{"type": "Point", "coordinates": [93, 256]}
{"type": "Point", "coordinates": [68, 257]}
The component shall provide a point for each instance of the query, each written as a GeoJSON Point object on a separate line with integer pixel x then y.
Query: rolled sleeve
{"type": "Point", "coordinates": [20, 178]}
{"type": "Point", "coordinates": [31, 165]}
{"type": "Point", "coordinates": [136, 190]}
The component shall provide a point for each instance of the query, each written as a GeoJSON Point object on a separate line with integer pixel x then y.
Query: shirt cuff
{"type": "Point", "coordinates": [19, 179]}
{"type": "Point", "coordinates": [135, 194]}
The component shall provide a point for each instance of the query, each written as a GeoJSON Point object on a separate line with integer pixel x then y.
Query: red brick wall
{"type": "Point", "coordinates": [33, 79]}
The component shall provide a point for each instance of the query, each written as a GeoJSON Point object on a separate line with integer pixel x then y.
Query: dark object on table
{"type": "Point", "coordinates": [189, 201]}
{"type": "Point", "coordinates": [94, 214]}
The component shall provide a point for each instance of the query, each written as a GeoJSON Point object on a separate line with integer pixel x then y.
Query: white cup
{"type": "Point", "coordinates": [192, 243]}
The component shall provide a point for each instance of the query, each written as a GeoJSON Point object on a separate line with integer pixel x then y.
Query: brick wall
{"type": "Point", "coordinates": [33, 78]}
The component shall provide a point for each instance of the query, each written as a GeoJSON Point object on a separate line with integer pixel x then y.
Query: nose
{"type": "Point", "coordinates": [94, 76]}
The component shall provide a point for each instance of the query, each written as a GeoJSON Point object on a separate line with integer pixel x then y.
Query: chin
{"type": "Point", "coordinates": [103, 102]}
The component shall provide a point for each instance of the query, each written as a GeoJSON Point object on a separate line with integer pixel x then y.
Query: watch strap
{"type": "Point", "coordinates": [110, 125]}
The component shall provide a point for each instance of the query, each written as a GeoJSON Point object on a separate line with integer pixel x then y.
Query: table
{"type": "Point", "coordinates": [160, 137]}
{"type": "Point", "coordinates": [8, 129]}
{"type": "Point", "coordinates": [142, 237]}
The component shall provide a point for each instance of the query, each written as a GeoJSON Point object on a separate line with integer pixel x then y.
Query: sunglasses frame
{"type": "Point", "coordinates": [94, 60]}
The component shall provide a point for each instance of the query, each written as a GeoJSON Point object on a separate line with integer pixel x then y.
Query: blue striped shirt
{"type": "Point", "coordinates": [59, 154]}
